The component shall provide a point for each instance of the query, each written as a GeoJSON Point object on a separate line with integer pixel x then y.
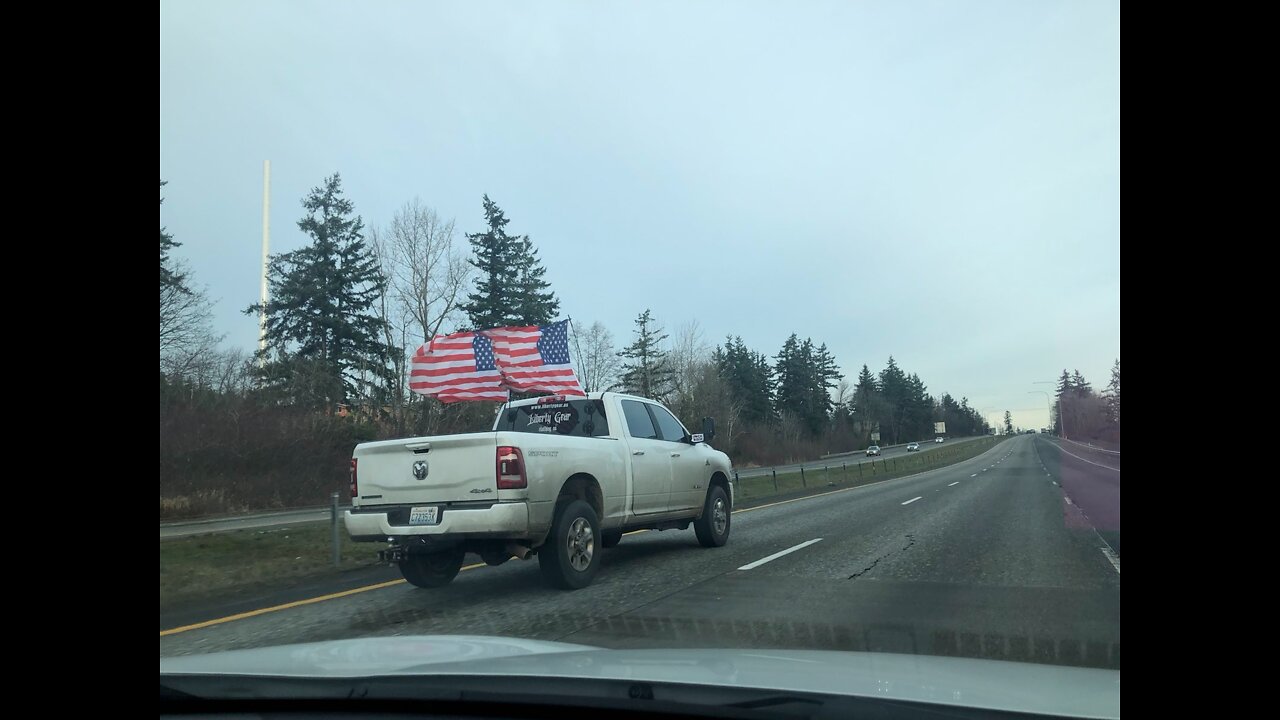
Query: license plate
{"type": "Point", "coordinates": [429, 515]}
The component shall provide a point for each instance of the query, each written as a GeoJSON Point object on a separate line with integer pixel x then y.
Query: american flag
{"type": "Point", "coordinates": [536, 358]}
{"type": "Point", "coordinates": [461, 366]}
{"type": "Point", "coordinates": [483, 365]}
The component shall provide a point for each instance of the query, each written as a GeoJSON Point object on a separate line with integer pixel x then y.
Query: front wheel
{"type": "Point", "coordinates": [571, 556]}
{"type": "Point", "coordinates": [712, 528]}
{"type": "Point", "coordinates": [430, 570]}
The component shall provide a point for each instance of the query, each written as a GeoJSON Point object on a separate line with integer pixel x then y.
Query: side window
{"type": "Point", "coordinates": [638, 423]}
{"type": "Point", "coordinates": [670, 427]}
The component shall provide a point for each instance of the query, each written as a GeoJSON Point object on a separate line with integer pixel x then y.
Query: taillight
{"type": "Point", "coordinates": [511, 468]}
{"type": "Point", "coordinates": [355, 490]}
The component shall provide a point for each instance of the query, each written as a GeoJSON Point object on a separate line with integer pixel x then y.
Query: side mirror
{"type": "Point", "coordinates": [708, 428]}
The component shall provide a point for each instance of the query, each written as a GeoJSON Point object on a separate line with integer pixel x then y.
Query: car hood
{"type": "Point", "coordinates": [990, 684]}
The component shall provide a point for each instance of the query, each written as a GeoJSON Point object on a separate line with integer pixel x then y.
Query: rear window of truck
{"type": "Point", "coordinates": [584, 418]}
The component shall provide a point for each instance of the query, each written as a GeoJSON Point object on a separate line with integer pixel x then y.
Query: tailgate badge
{"type": "Point", "coordinates": [420, 469]}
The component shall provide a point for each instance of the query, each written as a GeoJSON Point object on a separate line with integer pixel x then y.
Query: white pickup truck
{"type": "Point", "coordinates": [558, 477]}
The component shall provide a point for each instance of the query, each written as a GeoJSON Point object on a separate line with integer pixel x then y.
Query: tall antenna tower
{"type": "Point", "coordinates": [266, 250]}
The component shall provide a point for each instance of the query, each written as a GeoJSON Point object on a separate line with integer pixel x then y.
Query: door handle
{"type": "Point", "coordinates": [638, 452]}
{"type": "Point", "coordinates": [675, 454]}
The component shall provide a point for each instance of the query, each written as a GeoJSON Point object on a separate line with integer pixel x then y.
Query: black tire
{"type": "Point", "coordinates": [576, 522]}
{"type": "Point", "coordinates": [610, 538]}
{"type": "Point", "coordinates": [431, 570]}
{"type": "Point", "coordinates": [712, 528]}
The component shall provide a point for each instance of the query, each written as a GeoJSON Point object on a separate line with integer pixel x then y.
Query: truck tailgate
{"type": "Point", "coordinates": [439, 469]}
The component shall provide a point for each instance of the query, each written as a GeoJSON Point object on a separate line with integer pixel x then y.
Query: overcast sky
{"type": "Point", "coordinates": [937, 181]}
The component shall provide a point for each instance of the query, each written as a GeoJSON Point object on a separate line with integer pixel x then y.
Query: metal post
{"type": "Point", "coordinates": [775, 480]}
{"type": "Point", "coordinates": [802, 482]}
{"type": "Point", "coordinates": [337, 545]}
{"type": "Point", "coordinates": [844, 472]}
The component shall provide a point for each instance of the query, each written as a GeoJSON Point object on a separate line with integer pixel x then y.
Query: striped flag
{"type": "Point", "coordinates": [536, 358]}
{"type": "Point", "coordinates": [456, 367]}
{"type": "Point", "coordinates": [483, 365]}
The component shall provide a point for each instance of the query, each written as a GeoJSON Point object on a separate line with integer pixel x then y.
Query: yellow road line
{"type": "Point", "coordinates": [287, 606]}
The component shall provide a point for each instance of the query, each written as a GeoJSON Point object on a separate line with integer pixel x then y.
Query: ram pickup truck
{"type": "Point", "coordinates": [558, 478]}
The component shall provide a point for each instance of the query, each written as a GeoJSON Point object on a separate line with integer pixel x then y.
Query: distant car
{"type": "Point", "coordinates": [873, 450]}
{"type": "Point", "coordinates": [938, 439]}
{"type": "Point", "coordinates": [913, 447]}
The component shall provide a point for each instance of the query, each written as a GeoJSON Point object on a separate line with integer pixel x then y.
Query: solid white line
{"type": "Point", "coordinates": [777, 555]}
{"type": "Point", "coordinates": [1064, 450]}
{"type": "Point", "coordinates": [1111, 555]}
{"type": "Point", "coordinates": [954, 483]}
{"type": "Point", "coordinates": [911, 501]}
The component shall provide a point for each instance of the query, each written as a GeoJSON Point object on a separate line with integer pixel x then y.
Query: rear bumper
{"type": "Point", "coordinates": [508, 520]}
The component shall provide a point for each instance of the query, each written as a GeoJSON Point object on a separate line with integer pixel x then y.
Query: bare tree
{"type": "Point", "coordinates": [689, 355]}
{"type": "Point", "coordinates": [594, 354]}
{"type": "Point", "coordinates": [844, 393]}
{"type": "Point", "coordinates": [186, 330]}
{"type": "Point", "coordinates": [425, 273]}
{"type": "Point", "coordinates": [426, 270]}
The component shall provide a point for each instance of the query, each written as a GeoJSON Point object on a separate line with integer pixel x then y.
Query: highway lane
{"type": "Point", "coordinates": [850, 459]}
{"type": "Point", "coordinates": [1090, 479]}
{"type": "Point", "coordinates": [978, 559]}
{"type": "Point", "coordinates": [286, 518]}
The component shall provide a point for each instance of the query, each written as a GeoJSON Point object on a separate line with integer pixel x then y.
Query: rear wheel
{"type": "Point", "coordinates": [712, 528]}
{"type": "Point", "coordinates": [429, 570]}
{"type": "Point", "coordinates": [571, 556]}
{"type": "Point", "coordinates": [610, 538]}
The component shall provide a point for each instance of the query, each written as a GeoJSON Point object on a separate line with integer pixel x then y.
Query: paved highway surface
{"type": "Point", "coordinates": [995, 557]}
{"type": "Point", "coordinates": [259, 521]}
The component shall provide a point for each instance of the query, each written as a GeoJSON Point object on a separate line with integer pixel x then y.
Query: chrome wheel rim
{"type": "Point", "coordinates": [719, 516]}
{"type": "Point", "coordinates": [581, 544]}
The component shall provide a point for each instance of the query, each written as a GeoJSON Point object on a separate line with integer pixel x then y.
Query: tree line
{"type": "Point", "coordinates": [349, 306]}
{"type": "Point", "coordinates": [1081, 413]}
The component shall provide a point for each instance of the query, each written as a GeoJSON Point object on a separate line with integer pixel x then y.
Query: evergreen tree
{"type": "Point", "coordinates": [510, 285]}
{"type": "Point", "coordinates": [171, 278]}
{"type": "Point", "coordinates": [748, 377]}
{"type": "Point", "coordinates": [1113, 394]}
{"type": "Point", "coordinates": [324, 337]}
{"type": "Point", "coordinates": [494, 256]}
{"type": "Point", "coordinates": [535, 303]}
{"type": "Point", "coordinates": [1080, 386]}
{"type": "Point", "coordinates": [918, 412]}
{"type": "Point", "coordinates": [1064, 383]}
{"type": "Point", "coordinates": [1008, 423]}
{"type": "Point", "coordinates": [893, 389]}
{"type": "Point", "coordinates": [828, 377]}
{"type": "Point", "coordinates": [647, 371]}
{"type": "Point", "coordinates": [789, 372]}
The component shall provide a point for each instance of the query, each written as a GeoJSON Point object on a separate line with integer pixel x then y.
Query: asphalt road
{"type": "Point", "coordinates": [993, 557]}
{"type": "Point", "coordinates": [851, 458]}
{"type": "Point", "coordinates": [259, 521]}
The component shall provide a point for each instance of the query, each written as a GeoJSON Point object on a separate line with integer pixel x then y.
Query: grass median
{"type": "Point", "coordinates": [243, 562]}
{"type": "Point", "coordinates": [237, 562]}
